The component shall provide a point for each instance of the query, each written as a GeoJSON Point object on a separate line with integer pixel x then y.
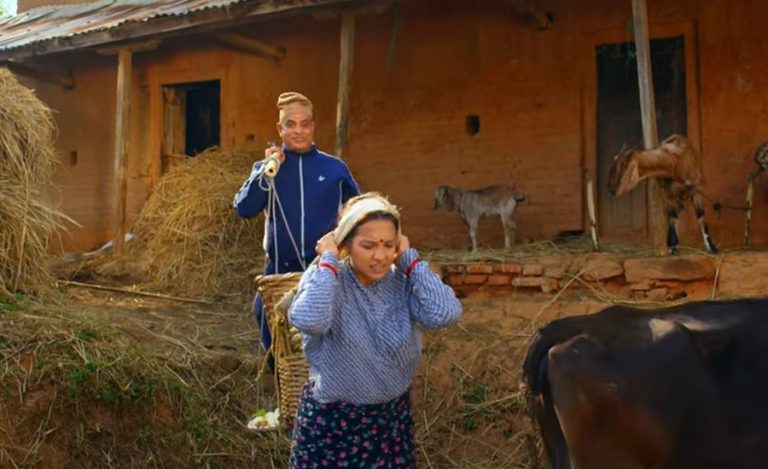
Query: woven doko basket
{"type": "Point", "coordinates": [292, 368]}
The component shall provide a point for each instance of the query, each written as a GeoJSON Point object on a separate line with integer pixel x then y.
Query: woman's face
{"type": "Point", "coordinates": [372, 250]}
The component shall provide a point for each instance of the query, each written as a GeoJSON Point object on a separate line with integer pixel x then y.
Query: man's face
{"type": "Point", "coordinates": [297, 130]}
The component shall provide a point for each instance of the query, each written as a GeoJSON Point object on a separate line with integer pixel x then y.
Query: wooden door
{"type": "Point", "coordinates": [619, 125]}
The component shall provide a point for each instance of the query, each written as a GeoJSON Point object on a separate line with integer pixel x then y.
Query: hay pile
{"type": "Point", "coordinates": [27, 159]}
{"type": "Point", "coordinates": [191, 240]}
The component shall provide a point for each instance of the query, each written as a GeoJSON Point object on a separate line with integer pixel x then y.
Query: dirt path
{"type": "Point", "coordinates": [114, 380]}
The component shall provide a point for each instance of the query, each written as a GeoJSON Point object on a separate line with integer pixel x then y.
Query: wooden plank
{"type": "Point", "coordinates": [656, 210]}
{"type": "Point", "coordinates": [346, 66]}
{"type": "Point", "coordinates": [174, 142]}
{"type": "Point", "coordinates": [251, 46]}
{"type": "Point", "coordinates": [122, 118]}
{"type": "Point", "coordinates": [66, 81]}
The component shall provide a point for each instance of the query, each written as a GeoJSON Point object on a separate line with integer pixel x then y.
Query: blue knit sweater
{"type": "Point", "coordinates": [311, 187]}
{"type": "Point", "coordinates": [362, 343]}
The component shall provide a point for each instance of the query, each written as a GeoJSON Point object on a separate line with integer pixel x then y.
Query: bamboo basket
{"type": "Point", "coordinates": [292, 368]}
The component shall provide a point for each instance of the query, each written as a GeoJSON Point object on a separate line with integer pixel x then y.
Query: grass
{"type": "Point", "coordinates": [86, 394]}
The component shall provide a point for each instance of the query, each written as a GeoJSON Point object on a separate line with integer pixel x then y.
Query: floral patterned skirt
{"type": "Point", "coordinates": [341, 434]}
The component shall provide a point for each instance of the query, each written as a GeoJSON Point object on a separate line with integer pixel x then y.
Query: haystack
{"type": "Point", "coordinates": [192, 241]}
{"type": "Point", "coordinates": [27, 158]}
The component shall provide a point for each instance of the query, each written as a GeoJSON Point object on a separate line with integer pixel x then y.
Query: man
{"type": "Point", "coordinates": [309, 188]}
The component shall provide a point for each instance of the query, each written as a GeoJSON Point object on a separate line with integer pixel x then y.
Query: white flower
{"type": "Point", "coordinates": [264, 422]}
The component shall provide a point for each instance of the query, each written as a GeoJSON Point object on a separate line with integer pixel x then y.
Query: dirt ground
{"type": "Point", "coordinates": [109, 379]}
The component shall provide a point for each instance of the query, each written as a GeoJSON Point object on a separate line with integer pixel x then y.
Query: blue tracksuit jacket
{"type": "Point", "coordinates": [311, 187]}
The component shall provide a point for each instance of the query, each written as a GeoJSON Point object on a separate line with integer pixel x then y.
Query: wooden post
{"type": "Point", "coordinates": [346, 64]}
{"type": "Point", "coordinates": [592, 216]}
{"type": "Point", "coordinates": [122, 114]}
{"type": "Point", "coordinates": [656, 216]}
{"type": "Point", "coordinates": [748, 209]}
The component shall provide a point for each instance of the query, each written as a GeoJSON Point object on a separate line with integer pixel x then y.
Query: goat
{"type": "Point", "coordinates": [498, 200]}
{"type": "Point", "coordinates": [678, 165]}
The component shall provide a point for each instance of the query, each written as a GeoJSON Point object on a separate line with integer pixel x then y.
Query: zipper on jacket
{"type": "Point", "coordinates": [301, 195]}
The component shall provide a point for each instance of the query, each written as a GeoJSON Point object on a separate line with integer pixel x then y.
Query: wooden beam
{"type": "Point", "coordinates": [133, 47]}
{"type": "Point", "coordinates": [656, 210]}
{"type": "Point", "coordinates": [206, 20]}
{"type": "Point", "coordinates": [359, 9]}
{"type": "Point", "coordinates": [251, 46]}
{"type": "Point", "coordinates": [536, 17]}
{"type": "Point", "coordinates": [122, 119]}
{"type": "Point", "coordinates": [66, 81]}
{"type": "Point", "coordinates": [346, 66]}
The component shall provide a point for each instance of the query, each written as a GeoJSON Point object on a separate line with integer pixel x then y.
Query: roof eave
{"type": "Point", "coordinates": [203, 20]}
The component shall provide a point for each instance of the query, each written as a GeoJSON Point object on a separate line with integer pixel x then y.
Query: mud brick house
{"type": "Point", "coordinates": [465, 93]}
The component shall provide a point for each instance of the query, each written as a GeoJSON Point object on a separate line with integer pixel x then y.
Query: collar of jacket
{"type": "Point", "coordinates": [312, 150]}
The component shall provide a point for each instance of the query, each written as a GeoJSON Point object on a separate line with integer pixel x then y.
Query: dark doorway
{"type": "Point", "coordinates": [619, 123]}
{"type": "Point", "coordinates": [202, 116]}
{"type": "Point", "coordinates": [192, 114]}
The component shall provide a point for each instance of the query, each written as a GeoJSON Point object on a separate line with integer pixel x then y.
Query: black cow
{"type": "Point", "coordinates": [681, 387]}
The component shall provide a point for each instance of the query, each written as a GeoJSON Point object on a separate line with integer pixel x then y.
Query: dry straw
{"type": "Point", "coordinates": [27, 159]}
{"type": "Point", "coordinates": [190, 237]}
{"type": "Point", "coordinates": [92, 391]}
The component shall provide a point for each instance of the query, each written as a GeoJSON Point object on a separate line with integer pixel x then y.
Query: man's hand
{"type": "Point", "coordinates": [327, 244]}
{"type": "Point", "coordinates": [276, 151]}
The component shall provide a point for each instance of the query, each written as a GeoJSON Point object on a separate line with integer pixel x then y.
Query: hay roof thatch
{"type": "Point", "coordinates": [27, 159]}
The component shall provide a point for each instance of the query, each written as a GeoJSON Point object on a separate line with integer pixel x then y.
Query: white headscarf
{"type": "Point", "coordinates": [361, 207]}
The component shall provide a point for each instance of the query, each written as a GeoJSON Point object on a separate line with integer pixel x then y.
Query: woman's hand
{"type": "Point", "coordinates": [327, 244]}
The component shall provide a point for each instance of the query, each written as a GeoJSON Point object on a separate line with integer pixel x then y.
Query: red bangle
{"type": "Point", "coordinates": [411, 266]}
{"type": "Point", "coordinates": [329, 267]}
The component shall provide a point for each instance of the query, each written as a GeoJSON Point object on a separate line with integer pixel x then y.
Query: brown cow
{"type": "Point", "coordinates": [678, 165]}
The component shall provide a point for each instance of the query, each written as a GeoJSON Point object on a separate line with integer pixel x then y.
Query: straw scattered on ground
{"type": "Point", "coordinates": [468, 408]}
{"type": "Point", "coordinates": [27, 159]}
{"type": "Point", "coordinates": [106, 386]}
{"type": "Point", "coordinates": [536, 250]}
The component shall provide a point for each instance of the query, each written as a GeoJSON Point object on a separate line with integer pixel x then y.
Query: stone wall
{"type": "Point", "coordinates": [692, 276]}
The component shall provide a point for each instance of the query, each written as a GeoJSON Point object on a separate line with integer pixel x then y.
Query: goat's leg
{"type": "Point", "coordinates": [672, 238]}
{"type": "Point", "coordinates": [510, 230]}
{"type": "Point", "coordinates": [699, 206]}
{"type": "Point", "coordinates": [472, 224]}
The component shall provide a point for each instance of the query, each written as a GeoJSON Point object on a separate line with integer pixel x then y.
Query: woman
{"type": "Point", "coordinates": [358, 309]}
